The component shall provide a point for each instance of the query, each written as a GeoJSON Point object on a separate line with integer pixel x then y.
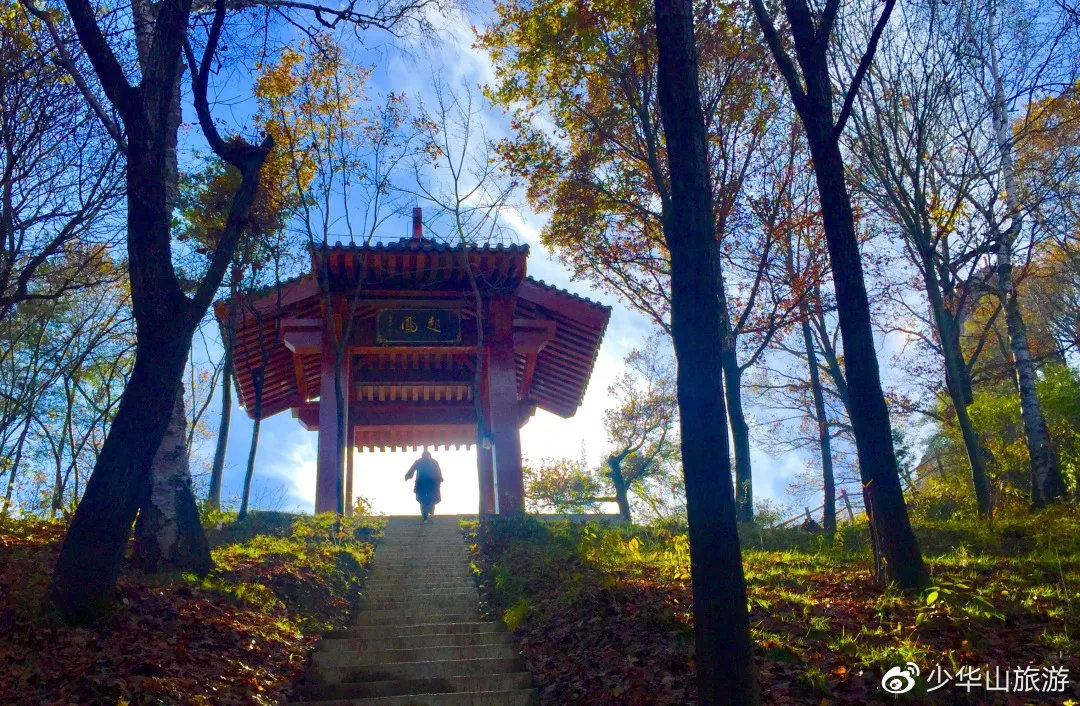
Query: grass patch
{"type": "Point", "coordinates": [594, 603]}
{"type": "Point", "coordinates": [242, 635]}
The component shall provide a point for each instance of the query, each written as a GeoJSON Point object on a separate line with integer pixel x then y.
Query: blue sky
{"type": "Point", "coordinates": [285, 468]}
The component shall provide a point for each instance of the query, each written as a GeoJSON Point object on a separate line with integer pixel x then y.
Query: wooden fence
{"type": "Point", "coordinates": [808, 514]}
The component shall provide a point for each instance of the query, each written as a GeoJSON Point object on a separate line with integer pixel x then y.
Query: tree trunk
{"type": "Point", "coordinates": [91, 556]}
{"type": "Point", "coordinates": [257, 379]}
{"type": "Point", "coordinates": [213, 499]}
{"type": "Point", "coordinates": [1047, 483]}
{"type": "Point", "coordinates": [869, 413]}
{"type": "Point", "coordinates": [92, 553]}
{"type": "Point", "coordinates": [723, 650]}
{"type": "Point", "coordinates": [618, 481]}
{"type": "Point", "coordinates": [955, 378]}
{"type": "Point", "coordinates": [14, 468]}
{"type": "Point", "coordinates": [822, 419]}
{"type": "Point", "coordinates": [93, 550]}
{"type": "Point", "coordinates": [168, 534]}
{"type": "Point", "coordinates": [250, 471]}
{"type": "Point", "coordinates": [740, 436]}
{"type": "Point", "coordinates": [340, 357]}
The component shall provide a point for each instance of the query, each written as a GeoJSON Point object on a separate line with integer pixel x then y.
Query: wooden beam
{"type": "Point", "coordinates": [329, 482]}
{"type": "Point", "coordinates": [526, 410]}
{"type": "Point", "coordinates": [533, 334]}
{"type": "Point", "coordinates": [565, 304]}
{"type": "Point", "coordinates": [308, 416]}
{"type": "Point", "coordinates": [377, 376]}
{"type": "Point", "coordinates": [303, 341]}
{"type": "Point", "coordinates": [485, 463]}
{"type": "Point", "coordinates": [527, 375]}
{"type": "Point", "coordinates": [291, 293]}
{"type": "Point", "coordinates": [503, 402]}
{"type": "Point", "coordinates": [397, 414]}
{"type": "Point", "coordinates": [301, 377]}
{"type": "Point", "coordinates": [292, 323]}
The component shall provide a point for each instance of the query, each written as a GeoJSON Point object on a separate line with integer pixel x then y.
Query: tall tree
{"type": "Point", "coordinates": [61, 173]}
{"type": "Point", "coordinates": [457, 172]}
{"type": "Point", "coordinates": [205, 199]}
{"type": "Point", "coordinates": [990, 32]}
{"type": "Point", "coordinates": [644, 447]}
{"type": "Point", "coordinates": [906, 162]}
{"type": "Point", "coordinates": [723, 654]}
{"type": "Point", "coordinates": [641, 424]}
{"type": "Point", "coordinates": [62, 363]}
{"type": "Point", "coordinates": [342, 151]}
{"type": "Point", "coordinates": [811, 88]}
{"type": "Point", "coordinates": [91, 556]}
{"type": "Point", "coordinates": [168, 536]}
{"type": "Point", "coordinates": [590, 71]}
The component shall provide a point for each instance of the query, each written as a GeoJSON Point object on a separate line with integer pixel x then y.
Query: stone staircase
{"type": "Point", "coordinates": [418, 638]}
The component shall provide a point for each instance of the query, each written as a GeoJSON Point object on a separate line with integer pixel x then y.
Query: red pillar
{"type": "Point", "coordinates": [349, 451]}
{"type": "Point", "coordinates": [503, 405]}
{"type": "Point", "coordinates": [329, 478]}
{"type": "Point", "coordinates": [485, 467]}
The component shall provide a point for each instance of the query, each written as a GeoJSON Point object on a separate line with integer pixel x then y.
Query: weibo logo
{"type": "Point", "coordinates": [900, 680]}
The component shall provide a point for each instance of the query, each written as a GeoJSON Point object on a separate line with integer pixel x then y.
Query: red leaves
{"type": "Point", "coordinates": [824, 632]}
{"type": "Point", "coordinates": [166, 643]}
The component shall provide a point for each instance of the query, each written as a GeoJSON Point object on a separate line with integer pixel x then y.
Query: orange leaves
{"type": "Point", "coordinates": [172, 642]}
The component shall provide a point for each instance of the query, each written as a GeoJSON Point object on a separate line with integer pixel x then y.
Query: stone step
{"type": "Point", "coordinates": [420, 586]}
{"type": "Point", "coordinates": [436, 653]}
{"type": "Point", "coordinates": [409, 642]}
{"type": "Point", "coordinates": [430, 570]}
{"type": "Point", "coordinates": [407, 595]}
{"type": "Point", "coordinates": [418, 640]}
{"type": "Point", "coordinates": [399, 687]}
{"type": "Point", "coordinates": [391, 579]}
{"type": "Point", "coordinates": [407, 671]}
{"type": "Point", "coordinates": [416, 589]}
{"type": "Point", "coordinates": [386, 592]}
{"type": "Point", "coordinates": [404, 599]}
{"type": "Point", "coordinates": [422, 568]}
{"type": "Point", "coordinates": [453, 605]}
{"type": "Point", "coordinates": [420, 627]}
{"type": "Point", "coordinates": [433, 567]}
{"type": "Point", "coordinates": [455, 601]}
{"type": "Point", "coordinates": [519, 697]}
{"type": "Point", "coordinates": [421, 545]}
{"type": "Point", "coordinates": [433, 562]}
{"type": "Point", "coordinates": [403, 617]}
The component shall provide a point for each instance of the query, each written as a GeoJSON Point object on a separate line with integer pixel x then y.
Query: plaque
{"type": "Point", "coordinates": [418, 326]}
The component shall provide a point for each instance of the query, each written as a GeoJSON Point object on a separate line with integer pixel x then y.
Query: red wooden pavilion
{"type": "Point", "coordinates": [404, 316]}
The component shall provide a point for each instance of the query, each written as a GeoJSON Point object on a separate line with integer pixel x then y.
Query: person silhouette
{"type": "Point", "coordinates": [428, 479]}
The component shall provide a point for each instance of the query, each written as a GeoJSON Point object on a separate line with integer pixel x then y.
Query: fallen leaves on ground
{"type": "Point", "coordinates": [605, 616]}
{"type": "Point", "coordinates": [242, 636]}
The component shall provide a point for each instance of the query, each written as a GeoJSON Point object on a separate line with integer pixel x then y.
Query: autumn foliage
{"type": "Point", "coordinates": [605, 613]}
{"type": "Point", "coordinates": [241, 636]}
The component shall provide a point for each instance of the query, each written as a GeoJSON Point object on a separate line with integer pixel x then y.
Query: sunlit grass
{"type": "Point", "coordinates": [1010, 590]}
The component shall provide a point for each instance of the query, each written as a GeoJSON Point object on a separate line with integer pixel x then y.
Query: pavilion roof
{"type": "Point", "coordinates": [562, 368]}
{"type": "Point", "coordinates": [420, 263]}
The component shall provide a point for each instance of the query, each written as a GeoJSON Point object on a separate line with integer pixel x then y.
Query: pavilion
{"type": "Point", "coordinates": [418, 366]}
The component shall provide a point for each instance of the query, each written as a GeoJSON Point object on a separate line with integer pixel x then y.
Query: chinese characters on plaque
{"type": "Point", "coordinates": [418, 326]}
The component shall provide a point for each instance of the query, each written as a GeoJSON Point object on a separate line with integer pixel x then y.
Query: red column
{"type": "Point", "coordinates": [349, 451]}
{"type": "Point", "coordinates": [485, 467]}
{"type": "Point", "coordinates": [503, 405]}
{"type": "Point", "coordinates": [329, 478]}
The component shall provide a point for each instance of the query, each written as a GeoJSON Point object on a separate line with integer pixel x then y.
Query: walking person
{"type": "Point", "coordinates": [428, 479]}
